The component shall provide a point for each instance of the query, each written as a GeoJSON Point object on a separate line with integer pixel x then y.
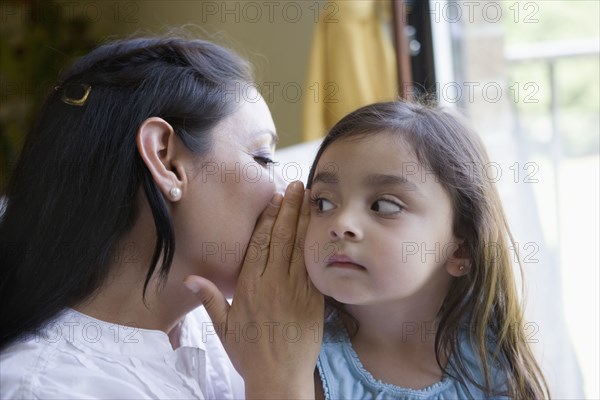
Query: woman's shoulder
{"type": "Point", "coordinates": [76, 356]}
{"type": "Point", "coordinates": [38, 371]}
{"type": "Point", "coordinates": [23, 363]}
{"type": "Point", "coordinates": [34, 368]}
{"type": "Point", "coordinates": [44, 366]}
{"type": "Point", "coordinates": [31, 358]}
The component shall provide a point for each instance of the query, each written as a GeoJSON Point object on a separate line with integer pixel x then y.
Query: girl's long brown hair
{"type": "Point", "coordinates": [483, 303]}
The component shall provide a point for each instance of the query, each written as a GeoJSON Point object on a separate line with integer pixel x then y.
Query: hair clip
{"type": "Point", "coordinates": [75, 102]}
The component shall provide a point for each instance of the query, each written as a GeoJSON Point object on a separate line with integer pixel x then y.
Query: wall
{"type": "Point", "coordinates": [274, 35]}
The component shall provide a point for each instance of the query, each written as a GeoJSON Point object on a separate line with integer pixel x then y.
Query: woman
{"type": "Point", "coordinates": [148, 166]}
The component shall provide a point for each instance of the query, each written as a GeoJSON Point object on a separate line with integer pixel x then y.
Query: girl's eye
{"type": "Point", "coordinates": [265, 161]}
{"type": "Point", "coordinates": [386, 207]}
{"type": "Point", "coordinates": [321, 204]}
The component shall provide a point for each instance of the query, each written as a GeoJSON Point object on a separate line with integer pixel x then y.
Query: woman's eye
{"type": "Point", "coordinates": [264, 160]}
{"type": "Point", "coordinates": [386, 207]}
{"type": "Point", "coordinates": [322, 204]}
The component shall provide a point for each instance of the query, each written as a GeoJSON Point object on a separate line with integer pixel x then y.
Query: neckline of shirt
{"type": "Point", "coordinates": [88, 334]}
{"type": "Point", "coordinates": [369, 379]}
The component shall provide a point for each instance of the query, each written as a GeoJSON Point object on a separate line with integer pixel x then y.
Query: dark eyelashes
{"type": "Point", "coordinates": [315, 202]}
{"type": "Point", "coordinates": [264, 160]}
{"type": "Point", "coordinates": [314, 199]}
{"type": "Point", "coordinates": [400, 206]}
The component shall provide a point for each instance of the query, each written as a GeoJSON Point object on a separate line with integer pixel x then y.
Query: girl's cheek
{"type": "Point", "coordinates": [317, 247]}
{"type": "Point", "coordinates": [313, 232]}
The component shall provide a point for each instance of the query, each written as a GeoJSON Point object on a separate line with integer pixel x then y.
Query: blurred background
{"type": "Point", "coordinates": [526, 73]}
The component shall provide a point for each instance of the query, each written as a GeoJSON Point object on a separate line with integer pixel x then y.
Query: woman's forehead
{"type": "Point", "coordinates": [251, 122]}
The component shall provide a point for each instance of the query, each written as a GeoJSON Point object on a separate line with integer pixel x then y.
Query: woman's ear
{"type": "Point", "coordinates": [459, 263]}
{"type": "Point", "coordinates": [158, 147]}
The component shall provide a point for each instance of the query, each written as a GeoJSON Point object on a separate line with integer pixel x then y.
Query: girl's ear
{"type": "Point", "coordinates": [157, 145]}
{"type": "Point", "coordinates": [459, 263]}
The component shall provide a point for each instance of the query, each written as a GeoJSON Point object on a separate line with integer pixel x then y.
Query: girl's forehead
{"type": "Point", "coordinates": [372, 144]}
{"type": "Point", "coordinates": [375, 154]}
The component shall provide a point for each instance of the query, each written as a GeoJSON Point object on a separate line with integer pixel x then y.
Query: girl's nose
{"type": "Point", "coordinates": [345, 227]}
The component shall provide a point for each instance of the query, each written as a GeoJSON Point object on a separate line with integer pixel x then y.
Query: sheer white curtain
{"type": "Point", "coordinates": [470, 54]}
{"type": "Point", "coordinates": [546, 327]}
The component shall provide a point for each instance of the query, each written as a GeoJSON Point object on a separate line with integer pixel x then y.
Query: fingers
{"type": "Point", "coordinates": [272, 242]}
{"type": "Point", "coordinates": [212, 299]}
{"type": "Point", "coordinates": [284, 231]}
{"type": "Point", "coordinates": [297, 265]}
{"type": "Point", "coordinates": [257, 254]}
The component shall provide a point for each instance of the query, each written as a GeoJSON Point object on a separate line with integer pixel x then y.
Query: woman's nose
{"type": "Point", "coordinates": [280, 183]}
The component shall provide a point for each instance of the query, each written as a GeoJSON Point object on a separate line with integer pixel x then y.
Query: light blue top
{"type": "Point", "coordinates": [344, 376]}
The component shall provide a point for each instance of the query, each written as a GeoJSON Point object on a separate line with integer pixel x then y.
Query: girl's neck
{"type": "Point", "coordinates": [396, 342]}
{"type": "Point", "coordinates": [407, 322]}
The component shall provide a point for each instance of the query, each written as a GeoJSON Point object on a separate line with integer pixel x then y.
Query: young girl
{"type": "Point", "coordinates": [409, 242]}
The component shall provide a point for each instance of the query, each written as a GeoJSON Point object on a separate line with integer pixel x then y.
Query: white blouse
{"type": "Point", "coordinates": [76, 356]}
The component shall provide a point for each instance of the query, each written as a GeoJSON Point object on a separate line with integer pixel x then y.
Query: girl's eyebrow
{"type": "Point", "coordinates": [326, 177]}
{"type": "Point", "coordinates": [331, 178]}
{"type": "Point", "coordinates": [391, 180]}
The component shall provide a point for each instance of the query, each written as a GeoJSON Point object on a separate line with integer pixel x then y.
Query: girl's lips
{"type": "Point", "coordinates": [342, 261]}
{"type": "Point", "coordinates": [340, 258]}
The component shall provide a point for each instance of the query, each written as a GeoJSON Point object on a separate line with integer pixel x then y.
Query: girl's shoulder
{"type": "Point", "coordinates": [467, 366]}
{"type": "Point", "coordinates": [343, 376]}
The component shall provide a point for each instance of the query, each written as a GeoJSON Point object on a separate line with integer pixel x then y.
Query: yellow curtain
{"type": "Point", "coordinates": [352, 63]}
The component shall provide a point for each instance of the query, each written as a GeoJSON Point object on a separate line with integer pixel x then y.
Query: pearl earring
{"type": "Point", "coordinates": [175, 193]}
{"type": "Point", "coordinates": [461, 267]}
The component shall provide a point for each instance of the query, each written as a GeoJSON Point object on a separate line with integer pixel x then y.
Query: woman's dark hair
{"type": "Point", "coordinates": [483, 304]}
{"type": "Point", "coordinates": [72, 194]}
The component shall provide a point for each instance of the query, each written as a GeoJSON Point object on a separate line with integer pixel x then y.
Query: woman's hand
{"type": "Point", "coordinates": [273, 329]}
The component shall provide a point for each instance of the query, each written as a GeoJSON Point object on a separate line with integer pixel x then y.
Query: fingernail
{"type": "Point", "coordinates": [277, 199]}
{"type": "Point", "coordinates": [297, 186]}
{"type": "Point", "coordinates": [192, 286]}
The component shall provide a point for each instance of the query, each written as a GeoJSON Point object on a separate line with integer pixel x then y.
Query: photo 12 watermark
{"type": "Point", "coordinates": [88, 332]}
{"type": "Point", "coordinates": [453, 12]}
{"type": "Point", "coordinates": [254, 12]}
{"type": "Point", "coordinates": [472, 91]}
{"type": "Point", "coordinates": [271, 331]}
